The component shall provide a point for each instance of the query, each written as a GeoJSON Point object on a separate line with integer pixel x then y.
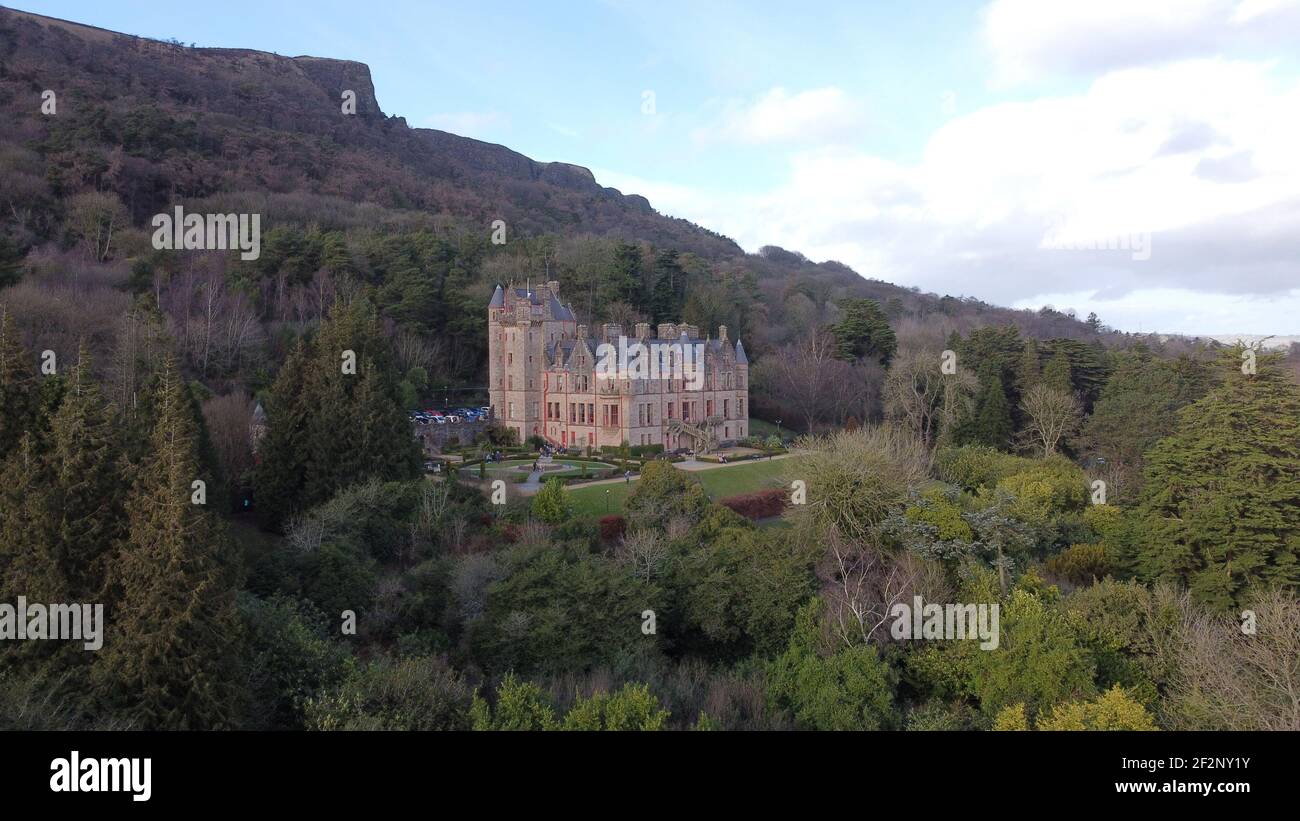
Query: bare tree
{"type": "Point", "coordinates": [229, 419]}
{"type": "Point", "coordinates": [801, 377]}
{"type": "Point", "coordinates": [1053, 415]}
{"type": "Point", "coordinates": [914, 393]}
{"type": "Point", "coordinates": [644, 551]}
{"type": "Point", "coordinates": [861, 584]}
{"type": "Point", "coordinates": [94, 217]}
{"type": "Point", "coordinates": [1240, 673]}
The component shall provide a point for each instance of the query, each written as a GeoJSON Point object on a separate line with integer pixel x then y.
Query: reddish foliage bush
{"type": "Point", "coordinates": [612, 527]}
{"type": "Point", "coordinates": [761, 505]}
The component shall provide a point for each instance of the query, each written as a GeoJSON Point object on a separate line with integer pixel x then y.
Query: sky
{"type": "Point", "coordinates": [1136, 158]}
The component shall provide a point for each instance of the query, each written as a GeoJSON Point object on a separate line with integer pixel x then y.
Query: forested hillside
{"type": "Point", "coordinates": [1131, 506]}
{"type": "Point", "coordinates": [142, 126]}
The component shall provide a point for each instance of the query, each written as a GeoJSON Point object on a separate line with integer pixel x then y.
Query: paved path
{"type": "Point", "coordinates": [532, 484]}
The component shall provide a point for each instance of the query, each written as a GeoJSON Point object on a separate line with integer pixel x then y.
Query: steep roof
{"type": "Point", "coordinates": [498, 298]}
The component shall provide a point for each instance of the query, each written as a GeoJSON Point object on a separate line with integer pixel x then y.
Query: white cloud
{"type": "Point", "coordinates": [1198, 154]}
{"type": "Point", "coordinates": [815, 115]}
{"type": "Point", "coordinates": [1032, 38]}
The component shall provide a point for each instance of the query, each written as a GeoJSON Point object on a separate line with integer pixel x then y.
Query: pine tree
{"type": "Point", "coordinates": [11, 262]}
{"type": "Point", "coordinates": [86, 466]}
{"type": "Point", "coordinates": [169, 654]}
{"type": "Point", "coordinates": [29, 563]}
{"type": "Point", "coordinates": [669, 296]}
{"type": "Point", "coordinates": [1221, 504]}
{"type": "Point", "coordinates": [282, 454]}
{"type": "Point", "coordinates": [28, 558]}
{"type": "Point", "coordinates": [18, 392]}
{"type": "Point", "coordinates": [863, 332]}
{"type": "Point", "coordinates": [328, 429]}
{"type": "Point", "coordinates": [1057, 373]}
{"type": "Point", "coordinates": [1028, 370]}
{"type": "Point", "coordinates": [990, 423]}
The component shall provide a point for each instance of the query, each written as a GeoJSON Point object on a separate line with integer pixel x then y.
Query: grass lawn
{"type": "Point", "coordinates": [759, 427]}
{"type": "Point", "coordinates": [719, 483]}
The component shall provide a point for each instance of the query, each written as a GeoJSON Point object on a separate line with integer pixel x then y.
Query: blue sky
{"type": "Point", "coordinates": [1022, 151]}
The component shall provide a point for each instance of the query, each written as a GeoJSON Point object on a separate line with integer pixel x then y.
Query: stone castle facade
{"type": "Point", "coordinates": [547, 378]}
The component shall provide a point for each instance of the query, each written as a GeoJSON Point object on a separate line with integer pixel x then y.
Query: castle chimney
{"type": "Point", "coordinates": [667, 330]}
{"type": "Point", "coordinates": [642, 330]}
{"type": "Point", "coordinates": [722, 333]}
{"type": "Point", "coordinates": [582, 332]}
{"type": "Point", "coordinates": [613, 331]}
{"type": "Point", "coordinates": [554, 287]}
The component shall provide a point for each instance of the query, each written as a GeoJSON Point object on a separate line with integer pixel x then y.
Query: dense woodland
{"type": "Point", "coordinates": [950, 450]}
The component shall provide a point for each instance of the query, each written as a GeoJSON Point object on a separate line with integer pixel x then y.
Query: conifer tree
{"type": "Point", "coordinates": [990, 423]}
{"type": "Point", "coordinates": [29, 564]}
{"type": "Point", "coordinates": [282, 454]}
{"type": "Point", "coordinates": [1221, 504]}
{"type": "Point", "coordinates": [86, 471]}
{"type": "Point", "coordinates": [863, 332]}
{"type": "Point", "coordinates": [18, 392]}
{"type": "Point", "coordinates": [329, 428]}
{"type": "Point", "coordinates": [168, 660]}
{"type": "Point", "coordinates": [1028, 370]}
{"type": "Point", "coordinates": [28, 559]}
{"type": "Point", "coordinates": [1057, 373]}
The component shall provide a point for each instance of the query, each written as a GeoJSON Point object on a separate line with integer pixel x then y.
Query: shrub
{"type": "Point", "coordinates": [1080, 563]}
{"type": "Point", "coordinates": [1046, 489]}
{"type": "Point", "coordinates": [421, 693]}
{"type": "Point", "coordinates": [612, 527]}
{"type": "Point", "coordinates": [763, 504]}
{"type": "Point", "coordinates": [974, 466]}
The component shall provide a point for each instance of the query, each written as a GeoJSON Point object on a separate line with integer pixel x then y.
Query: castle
{"type": "Point", "coordinates": [548, 377]}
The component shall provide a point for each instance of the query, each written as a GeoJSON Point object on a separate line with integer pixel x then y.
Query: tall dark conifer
{"type": "Point", "coordinates": [169, 659]}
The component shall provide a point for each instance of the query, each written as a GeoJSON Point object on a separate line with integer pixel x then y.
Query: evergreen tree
{"type": "Point", "coordinates": [86, 467]}
{"type": "Point", "coordinates": [1057, 373]}
{"type": "Point", "coordinates": [18, 393]}
{"type": "Point", "coordinates": [669, 296]}
{"type": "Point", "coordinates": [327, 428]}
{"type": "Point", "coordinates": [863, 332]}
{"type": "Point", "coordinates": [1221, 504]}
{"type": "Point", "coordinates": [551, 503]}
{"type": "Point", "coordinates": [1028, 370]}
{"type": "Point", "coordinates": [990, 423]}
{"type": "Point", "coordinates": [11, 262]}
{"type": "Point", "coordinates": [282, 466]}
{"type": "Point", "coordinates": [29, 563]}
{"type": "Point", "coordinates": [169, 654]}
{"type": "Point", "coordinates": [622, 281]}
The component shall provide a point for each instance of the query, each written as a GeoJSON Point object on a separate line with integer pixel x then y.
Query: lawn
{"type": "Point", "coordinates": [719, 483]}
{"type": "Point", "coordinates": [760, 427]}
